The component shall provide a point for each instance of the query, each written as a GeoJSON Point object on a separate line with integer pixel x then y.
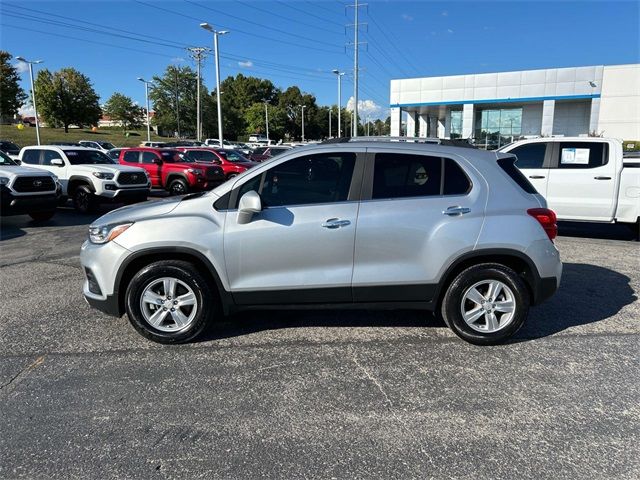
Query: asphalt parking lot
{"type": "Point", "coordinates": [327, 394]}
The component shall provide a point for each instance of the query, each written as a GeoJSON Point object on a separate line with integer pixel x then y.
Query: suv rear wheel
{"type": "Point", "coordinates": [486, 304]}
{"type": "Point", "coordinates": [170, 302]}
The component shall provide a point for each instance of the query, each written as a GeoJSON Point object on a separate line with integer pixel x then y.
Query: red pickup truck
{"type": "Point", "coordinates": [232, 162]}
{"type": "Point", "coordinates": [171, 170]}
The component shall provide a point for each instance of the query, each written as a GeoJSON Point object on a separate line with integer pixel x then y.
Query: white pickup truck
{"type": "Point", "coordinates": [584, 179]}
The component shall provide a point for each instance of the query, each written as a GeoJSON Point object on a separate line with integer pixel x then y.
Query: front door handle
{"type": "Point", "coordinates": [537, 176]}
{"type": "Point", "coordinates": [336, 223]}
{"type": "Point", "coordinates": [602, 178]}
{"type": "Point", "coordinates": [456, 210]}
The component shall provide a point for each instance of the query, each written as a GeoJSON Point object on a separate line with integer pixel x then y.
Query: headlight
{"type": "Point", "coordinates": [4, 180]}
{"type": "Point", "coordinates": [103, 176]}
{"type": "Point", "coordinates": [195, 171]}
{"type": "Point", "coordinates": [106, 233]}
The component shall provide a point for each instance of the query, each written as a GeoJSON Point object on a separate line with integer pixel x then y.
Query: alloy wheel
{"type": "Point", "coordinates": [488, 306]}
{"type": "Point", "coordinates": [168, 304]}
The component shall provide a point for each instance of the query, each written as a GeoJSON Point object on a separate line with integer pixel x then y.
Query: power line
{"type": "Point", "coordinates": [318, 17]}
{"type": "Point", "coordinates": [392, 43]}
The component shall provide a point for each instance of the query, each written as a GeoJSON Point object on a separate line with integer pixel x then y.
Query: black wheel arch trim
{"type": "Point", "coordinates": [539, 287]}
{"type": "Point", "coordinates": [83, 179]}
{"type": "Point", "coordinates": [176, 176]}
{"type": "Point", "coordinates": [119, 289]}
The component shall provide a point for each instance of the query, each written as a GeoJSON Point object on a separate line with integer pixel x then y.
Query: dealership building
{"type": "Point", "coordinates": [498, 107]}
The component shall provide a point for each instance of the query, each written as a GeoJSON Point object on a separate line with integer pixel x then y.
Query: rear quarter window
{"type": "Point", "coordinates": [508, 165]}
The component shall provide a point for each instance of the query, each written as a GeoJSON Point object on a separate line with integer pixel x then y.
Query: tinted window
{"type": "Point", "coordinates": [530, 156]}
{"type": "Point", "coordinates": [398, 175]}
{"type": "Point", "coordinates": [5, 160]}
{"type": "Point", "coordinates": [201, 155]}
{"type": "Point", "coordinates": [455, 181]}
{"type": "Point", "coordinates": [148, 157]}
{"type": "Point", "coordinates": [581, 155]}
{"type": "Point", "coordinates": [48, 156]}
{"type": "Point", "coordinates": [174, 156]}
{"type": "Point", "coordinates": [312, 179]}
{"type": "Point", "coordinates": [508, 165]}
{"type": "Point", "coordinates": [31, 157]}
{"type": "Point", "coordinates": [131, 156]}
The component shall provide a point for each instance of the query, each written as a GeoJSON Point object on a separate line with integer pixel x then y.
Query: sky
{"type": "Point", "coordinates": [301, 42]}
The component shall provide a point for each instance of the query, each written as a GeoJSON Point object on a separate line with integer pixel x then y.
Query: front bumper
{"type": "Point", "coordinates": [11, 204]}
{"type": "Point", "coordinates": [122, 194]}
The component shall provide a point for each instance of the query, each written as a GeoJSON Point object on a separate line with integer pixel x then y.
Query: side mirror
{"type": "Point", "coordinates": [57, 162]}
{"type": "Point", "coordinates": [249, 204]}
{"type": "Point", "coordinates": [158, 161]}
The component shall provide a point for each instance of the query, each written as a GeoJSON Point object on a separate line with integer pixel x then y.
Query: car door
{"type": "Point", "coordinates": [299, 248]}
{"type": "Point", "coordinates": [534, 160]}
{"type": "Point", "coordinates": [418, 212]}
{"type": "Point", "coordinates": [583, 181]}
{"type": "Point", "coordinates": [59, 171]}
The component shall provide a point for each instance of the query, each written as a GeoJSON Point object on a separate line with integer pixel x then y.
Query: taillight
{"type": "Point", "coordinates": [546, 218]}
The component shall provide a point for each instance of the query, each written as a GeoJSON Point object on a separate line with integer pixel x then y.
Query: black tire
{"type": "Point", "coordinates": [178, 187]}
{"type": "Point", "coordinates": [42, 216]}
{"type": "Point", "coordinates": [83, 199]}
{"type": "Point", "coordinates": [206, 300]}
{"type": "Point", "coordinates": [635, 228]}
{"type": "Point", "coordinates": [452, 302]}
{"type": "Point", "coordinates": [231, 175]}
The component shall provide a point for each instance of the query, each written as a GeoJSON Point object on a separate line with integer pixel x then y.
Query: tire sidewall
{"type": "Point", "coordinates": [90, 201]}
{"type": "Point", "coordinates": [182, 271]}
{"type": "Point", "coordinates": [180, 182]}
{"type": "Point", "coordinates": [453, 299]}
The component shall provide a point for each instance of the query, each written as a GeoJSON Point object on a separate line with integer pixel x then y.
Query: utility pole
{"type": "Point", "coordinates": [303, 107]}
{"type": "Point", "coordinates": [33, 93]}
{"type": "Point", "coordinates": [175, 71]}
{"type": "Point", "coordinates": [266, 118]}
{"type": "Point", "coordinates": [198, 53]}
{"type": "Point", "coordinates": [330, 108]}
{"type": "Point", "coordinates": [356, 44]}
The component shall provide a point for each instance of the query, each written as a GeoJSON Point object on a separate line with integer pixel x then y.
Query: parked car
{"type": "Point", "coordinates": [261, 154]}
{"type": "Point", "coordinates": [455, 230]}
{"type": "Point", "coordinates": [183, 143]}
{"type": "Point", "coordinates": [10, 149]}
{"type": "Point", "coordinates": [232, 162]}
{"type": "Point", "coordinates": [114, 154]}
{"type": "Point", "coordinates": [153, 144]}
{"type": "Point", "coordinates": [25, 190]}
{"type": "Point", "coordinates": [258, 138]}
{"type": "Point", "coordinates": [104, 147]}
{"type": "Point", "coordinates": [170, 170]}
{"type": "Point", "coordinates": [583, 179]}
{"type": "Point", "coordinates": [88, 176]}
{"type": "Point", "coordinates": [65, 144]}
{"type": "Point", "coordinates": [228, 145]}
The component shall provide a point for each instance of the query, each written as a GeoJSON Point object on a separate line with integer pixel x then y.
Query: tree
{"type": "Point", "coordinates": [11, 94]}
{"type": "Point", "coordinates": [67, 98]}
{"type": "Point", "coordinates": [122, 109]}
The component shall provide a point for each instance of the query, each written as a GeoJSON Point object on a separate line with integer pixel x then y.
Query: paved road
{"type": "Point", "coordinates": [317, 394]}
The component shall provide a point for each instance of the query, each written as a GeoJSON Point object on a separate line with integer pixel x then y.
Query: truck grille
{"type": "Point", "coordinates": [34, 184]}
{"type": "Point", "coordinates": [214, 173]}
{"type": "Point", "coordinates": [132, 178]}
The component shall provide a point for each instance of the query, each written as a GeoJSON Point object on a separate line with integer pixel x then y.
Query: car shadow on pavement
{"type": "Point", "coordinates": [587, 294]}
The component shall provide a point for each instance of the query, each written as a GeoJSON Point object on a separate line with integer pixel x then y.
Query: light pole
{"type": "Point", "coordinates": [217, 33]}
{"type": "Point", "coordinates": [33, 92]}
{"type": "Point", "coordinates": [330, 108]}
{"type": "Point", "coordinates": [266, 118]}
{"type": "Point", "coordinates": [146, 93]}
{"type": "Point", "coordinates": [303, 107]}
{"type": "Point", "coordinates": [339, 75]}
{"type": "Point", "coordinates": [367, 125]}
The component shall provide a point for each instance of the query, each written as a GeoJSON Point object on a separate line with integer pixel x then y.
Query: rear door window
{"type": "Point", "coordinates": [580, 155]}
{"type": "Point", "coordinates": [403, 175]}
{"type": "Point", "coordinates": [148, 157]}
{"type": "Point", "coordinates": [131, 156]}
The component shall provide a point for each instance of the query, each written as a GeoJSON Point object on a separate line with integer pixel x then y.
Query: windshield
{"type": "Point", "coordinates": [235, 156]}
{"type": "Point", "coordinates": [106, 145]}
{"type": "Point", "coordinates": [174, 156]}
{"type": "Point", "coordinates": [87, 157]}
{"type": "Point", "coordinates": [9, 147]}
{"type": "Point", "coordinates": [5, 160]}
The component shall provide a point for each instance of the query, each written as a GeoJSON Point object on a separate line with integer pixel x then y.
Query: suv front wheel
{"type": "Point", "coordinates": [486, 304]}
{"type": "Point", "coordinates": [170, 302]}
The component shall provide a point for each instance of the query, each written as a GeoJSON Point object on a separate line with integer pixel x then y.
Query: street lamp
{"type": "Point", "coordinates": [33, 92]}
{"type": "Point", "coordinates": [303, 107]}
{"type": "Point", "coordinates": [146, 94]}
{"type": "Point", "coordinates": [266, 118]}
{"type": "Point", "coordinates": [339, 74]}
{"type": "Point", "coordinates": [216, 33]}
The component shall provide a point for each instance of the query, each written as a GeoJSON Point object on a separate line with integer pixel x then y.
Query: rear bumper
{"type": "Point", "coordinates": [11, 204]}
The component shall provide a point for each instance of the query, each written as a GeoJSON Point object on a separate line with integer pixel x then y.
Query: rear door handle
{"type": "Point", "coordinates": [602, 178]}
{"type": "Point", "coordinates": [456, 210]}
{"type": "Point", "coordinates": [537, 176]}
{"type": "Point", "coordinates": [336, 223]}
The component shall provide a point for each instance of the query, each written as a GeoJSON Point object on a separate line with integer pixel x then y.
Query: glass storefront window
{"type": "Point", "coordinates": [456, 124]}
{"type": "Point", "coordinates": [498, 127]}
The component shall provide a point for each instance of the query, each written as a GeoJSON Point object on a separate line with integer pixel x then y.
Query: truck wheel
{"type": "Point", "coordinates": [42, 216]}
{"type": "Point", "coordinates": [83, 199]}
{"type": "Point", "coordinates": [635, 228]}
{"type": "Point", "coordinates": [486, 304]}
{"type": "Point", "coordinates": [170, 302]}
{"type": "Point", "coordinates": [178, 187]}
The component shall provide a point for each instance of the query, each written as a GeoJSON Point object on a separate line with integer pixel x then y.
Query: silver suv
{"type": "Point", "coordinates": [454, 230]}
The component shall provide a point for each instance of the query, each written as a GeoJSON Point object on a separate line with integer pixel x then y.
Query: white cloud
{"type": "Point", "coordinates": [407, 17]}
{"type": "Point", "coordinates": [177, 60]}
{"type": "Point", "coordinates": [445, 13]}
{"type": "Point", "coordinates": [449, 30]}
{"type": "Point", "coordinates": [26, 111]}
{"type": "Point", "coordinates": [21, 67]}
{"type": "Point", "coordinates": [370, 108]}
{"type": "Point", "coordinates": [247, 64]}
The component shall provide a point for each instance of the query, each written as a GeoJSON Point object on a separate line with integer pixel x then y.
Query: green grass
{"type": "Point", "coordinates": [27, 136]}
